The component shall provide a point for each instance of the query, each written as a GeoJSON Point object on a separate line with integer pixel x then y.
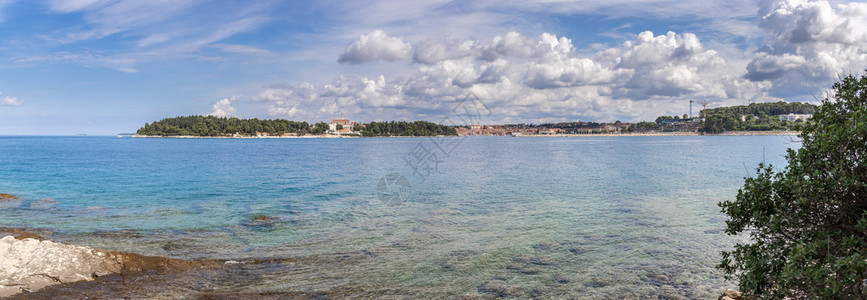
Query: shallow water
{"type": "Point", "coordinates": [540, 217]}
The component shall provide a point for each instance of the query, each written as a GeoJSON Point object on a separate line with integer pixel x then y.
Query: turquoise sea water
{"type": "Point", "coordinates": [545, 217]}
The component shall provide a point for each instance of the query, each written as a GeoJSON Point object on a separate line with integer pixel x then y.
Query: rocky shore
{"type": "Point", "coordinates": [28, 263]}
{"type": "Point", "coordinates": [33, 267]}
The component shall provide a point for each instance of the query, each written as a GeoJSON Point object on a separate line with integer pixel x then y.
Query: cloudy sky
{"type": "Point", "coordinates": [109, 66]}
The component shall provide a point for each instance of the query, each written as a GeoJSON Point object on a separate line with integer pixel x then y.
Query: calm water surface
{"type": "Point", "coordinates": [546, 217]}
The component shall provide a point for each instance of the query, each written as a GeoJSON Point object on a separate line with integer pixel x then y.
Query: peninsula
{"type": "Point", "coordinates": [221, 127]}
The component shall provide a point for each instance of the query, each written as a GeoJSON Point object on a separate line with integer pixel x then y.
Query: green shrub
{"type": "Point", "coordinates": [808, 222]}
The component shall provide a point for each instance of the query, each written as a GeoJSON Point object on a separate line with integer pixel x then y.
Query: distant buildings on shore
{"type": "Point", "coordinates": [342, 126]}
{"type": "Point", "coordinates": [544, 129]}
{"type": "Point", "coordinates": [662, 124]}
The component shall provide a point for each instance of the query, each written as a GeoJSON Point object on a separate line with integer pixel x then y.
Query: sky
{"type": "Point", "coordinates": [102, 67]}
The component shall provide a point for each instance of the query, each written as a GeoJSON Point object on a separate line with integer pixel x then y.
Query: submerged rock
{"type": "Point", "coordinates": [525, 269]}
{"type": "Point", "coordinates": [21, 234]}
{"type": "Point", "coordinates": [43, 204]}
{"type": "Point", "coordinates": [262, 222]}
{"type": "Point", "coordinates": [499, 288]}
{"type": "Point", "coordinates": [562, 278]}
{"type": "Point", "coordinates": [474, 297]}
{"type": "Point", "coordinates": [9, 201]}
{"type": "Point", "coordinates": [547, 246]}
{"type": "Point", "coordinates": [536, 260]}
{"type": "Point", "coordinates": [598, 282]}
{"type": "Point", "coordinates": [502, 276]}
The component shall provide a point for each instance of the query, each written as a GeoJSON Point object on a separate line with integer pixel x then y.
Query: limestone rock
{"type": "Point", "coordinates": [30, 264]}
{"type": "Point", "coordinates": [731, 294]}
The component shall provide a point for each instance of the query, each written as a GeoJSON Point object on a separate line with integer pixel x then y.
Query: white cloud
{"type": "Point", "coordinates": [539, 78]}
{"type": "Point", "coordinates": [223, 108]}
{"type": "Point", "coordinates": [289, 101]}
{"type": "Point", "coordinates": [11, 101]}
{"type": "Point", "coordinates": [151, 30]}
{"type": "Point", "coordinates": [376, 45]}
{"type": "Point", "coordinates": [242, 49]}
{"type": "Point", "coordinates": [111, 17]}
{"type": "Point", "coordinates": [442, 47]}
{"type": "Point", "coordinates": [809, 42]}
{"type": "Point", "coordinates": [632, 8]}
{"type": "Point", "coordinates": [493, 49]}
{"type": "Point", "coordinates": [67, 6]}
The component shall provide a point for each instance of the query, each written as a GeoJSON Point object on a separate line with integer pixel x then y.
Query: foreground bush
{"type": "Point", "coordinates": [808, 223]}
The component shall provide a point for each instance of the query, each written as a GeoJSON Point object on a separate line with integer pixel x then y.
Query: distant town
{"type": "Point", "coordinates": [664, 125]}
{"type": "Point", "coordinates": [757, 117]}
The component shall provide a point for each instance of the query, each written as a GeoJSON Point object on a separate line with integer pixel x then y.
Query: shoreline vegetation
{"type": "Point", "coordinates": [211, 126]}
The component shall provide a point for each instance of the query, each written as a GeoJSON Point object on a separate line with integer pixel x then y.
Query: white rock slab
{"type": "Point", "coordinates": [30, 264]}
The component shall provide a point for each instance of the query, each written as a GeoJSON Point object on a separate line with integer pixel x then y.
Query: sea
{"type": "Point", "coordinates": [426, 217]}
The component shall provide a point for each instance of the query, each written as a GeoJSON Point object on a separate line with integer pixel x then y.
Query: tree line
{"type": "Point", "coordinates": [221, 126]}
{"type": "Point", "coordinates": [402, 128]}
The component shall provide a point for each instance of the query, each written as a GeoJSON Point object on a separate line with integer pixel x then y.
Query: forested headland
{"type": "Point", "coordinates": [754, 117]}
{"type": "Point", "coordinates": [211, 126]}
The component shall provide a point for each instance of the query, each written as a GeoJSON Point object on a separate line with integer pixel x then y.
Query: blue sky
{"type": "Point", "coordinates": [109, 66]}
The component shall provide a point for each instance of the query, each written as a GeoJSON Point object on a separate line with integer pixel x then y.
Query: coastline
{"type": "Point", "coordinates": [727, 133]}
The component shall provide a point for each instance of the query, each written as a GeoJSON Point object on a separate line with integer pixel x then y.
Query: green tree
{"type": "Point", "coordinates": [807, 223]}
{"type": "Point", "coordinates": [662, 118]}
